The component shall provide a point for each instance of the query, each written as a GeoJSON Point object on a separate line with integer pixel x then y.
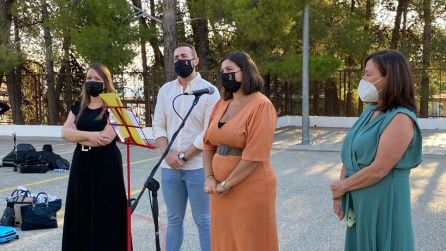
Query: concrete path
{"type": "Point", "coordinates": [304, 216]}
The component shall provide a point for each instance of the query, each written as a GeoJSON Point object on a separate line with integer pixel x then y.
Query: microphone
{"type": "Point", "coordinates": [200, 92]}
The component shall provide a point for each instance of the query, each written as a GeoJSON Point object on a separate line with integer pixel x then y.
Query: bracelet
{"type": "Point", "coordinates": [223, 185]}
{"type": "Point", "coordinates": [210, 175]}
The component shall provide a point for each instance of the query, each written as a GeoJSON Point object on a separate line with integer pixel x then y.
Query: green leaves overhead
{"type": "Point", "coordinates": [99, 30]}
{"type": "Point", "coordinates": [289, 67]}
{"type": "Point", "coordinates": [9, 58]}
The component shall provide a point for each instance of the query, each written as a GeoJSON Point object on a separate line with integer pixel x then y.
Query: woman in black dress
{"type": "Point", "coordinates": [95, 209]}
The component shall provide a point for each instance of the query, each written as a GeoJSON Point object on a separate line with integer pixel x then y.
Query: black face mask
{"type": "Point", "coordinates": [183, 67]}
{"type": "Point", "coordinates": [94, 88]}
{"type": "Point", "coordinates": [229, 83]}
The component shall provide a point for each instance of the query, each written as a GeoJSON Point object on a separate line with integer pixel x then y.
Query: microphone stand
{"type": "Point", "coordinates": [153, 185]}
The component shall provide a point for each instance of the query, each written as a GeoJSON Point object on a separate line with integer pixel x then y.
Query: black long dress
{"type": "Point", "coordinates": [95, 210]}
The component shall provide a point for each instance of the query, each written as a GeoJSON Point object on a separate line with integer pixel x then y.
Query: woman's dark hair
{"type": "Point", "coordinates": [252, 80]}
{"type": "Point", "coordinates": [399, 88]}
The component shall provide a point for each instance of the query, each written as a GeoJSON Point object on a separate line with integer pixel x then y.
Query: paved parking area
{"type": "Point", "coordinates": [304, 216]}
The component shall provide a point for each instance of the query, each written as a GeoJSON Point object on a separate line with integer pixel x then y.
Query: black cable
{"type": "Point", "coordinates": [173, 106]}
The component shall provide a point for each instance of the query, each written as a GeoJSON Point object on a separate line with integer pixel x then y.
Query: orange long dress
{"type": "Point", "coordinates": [244, 219]}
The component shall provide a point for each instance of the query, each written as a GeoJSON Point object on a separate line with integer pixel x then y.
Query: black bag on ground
{"type": "Point", "coordinates": [33, 166]}
{"type": "Point", "coordinates": [7, 217]}
{"type": "Point", "coordinates": [23, 150]}
{"type": "Point", "coordinates": [17, 199]}
{"type": "Point", "coordinates": [47, 148]}
{"type": "Point", "coordinates": [9, 159]}
{"type": "Point", "coordinates": [55, 161]}
{"type": "Point", "coordinates": [40, 215]}
{"type": "Point", "coordinates": [34, 163]}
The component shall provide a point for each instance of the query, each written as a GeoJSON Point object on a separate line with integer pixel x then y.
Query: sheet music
{"type": "Point", "coordinates": [119, 117]}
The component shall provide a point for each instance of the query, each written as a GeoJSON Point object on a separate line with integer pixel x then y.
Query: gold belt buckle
{"type": "Point", "coordinates": [85, 148]}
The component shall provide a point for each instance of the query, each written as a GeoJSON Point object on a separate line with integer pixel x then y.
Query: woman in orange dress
{"type": "Point", "coordinates": [236, 155]}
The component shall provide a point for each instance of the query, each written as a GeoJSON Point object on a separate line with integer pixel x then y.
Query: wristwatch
{"type": "Point", "coordinates": [182, 156]}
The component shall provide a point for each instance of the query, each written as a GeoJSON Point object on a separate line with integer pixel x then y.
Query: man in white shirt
{"type": "Point", "coordinates": [182, 174]}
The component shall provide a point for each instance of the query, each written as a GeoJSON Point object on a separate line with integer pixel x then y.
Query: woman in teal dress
{"type": "Point", "coordinates": [373, 192]}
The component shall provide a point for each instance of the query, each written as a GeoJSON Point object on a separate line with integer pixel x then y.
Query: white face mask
{"type": "Point", "coordinates": [367, 91]}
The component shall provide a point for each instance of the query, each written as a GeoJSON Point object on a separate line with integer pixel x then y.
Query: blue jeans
{"type": "Point", "coordinates": [177, 185]}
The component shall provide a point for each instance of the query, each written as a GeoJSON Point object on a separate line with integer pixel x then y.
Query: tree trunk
{"type": "Point", "coordinates": [403, 46]}
{"type": "Point", "coordinates": [315, 101]}
{"type": "Point", "coordinates": [368, 14]}
{"type": "Point", "coordinates": [15, 80]}
{"type": "Point", "coordinates": [200, 32]}
{"type": "Point", "coordinates": [158, 55]}
{"type": "Point", "coordinates": [397, 24]}
{"type": "Point", "coordinates": [267, 86]}
{"type": "Point", "coordinates": [145, 70]}
{"type": "Point", "coordinates": [169, 35]}
{"type": "Point", "coordinates": [66, 72]}
{"type": "Point", "coordinates": [424, 101]}
{"type": "Point", "coordinates": [329, 97]}
{"type": "Point", "coordinates": [13, 84]}
{"type": "Point", "coordinates": [52, 98]}
{"type": "Point", "coordinates": [202, 41]}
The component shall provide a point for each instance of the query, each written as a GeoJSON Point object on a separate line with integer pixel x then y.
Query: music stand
{"type": "Point", "coordinates": [129, 132]}
{"type": "Point", "coordinates": [153, 185]}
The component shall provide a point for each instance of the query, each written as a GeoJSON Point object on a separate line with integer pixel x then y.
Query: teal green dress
{"type": "Point", "coordinates": [382, 210]}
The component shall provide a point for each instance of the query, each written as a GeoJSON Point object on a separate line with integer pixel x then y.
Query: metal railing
{"type": "Point", "coordinates": [333, 97]}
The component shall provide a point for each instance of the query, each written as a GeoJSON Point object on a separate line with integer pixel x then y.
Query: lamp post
{"type": "Point", "coordinates": [305, 78]}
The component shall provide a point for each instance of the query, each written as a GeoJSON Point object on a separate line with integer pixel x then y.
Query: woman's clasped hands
{"type": "Point", "coordinates": [337, 194]}
{"type": "Point", "coordinates": [102, 139]}
{"type": "Point", "coordinates": [212, 186]}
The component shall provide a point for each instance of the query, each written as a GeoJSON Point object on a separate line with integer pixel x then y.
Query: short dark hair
{"type": "Point", "coordinates": [252, 80]}
{"type": "Point", "coordinates": [399, 89]}
{"type": "Point", "coordinates": [194, 52]}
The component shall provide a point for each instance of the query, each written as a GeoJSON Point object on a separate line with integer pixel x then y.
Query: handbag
{"type": "Point", "coordinates": [11, 215]}
{"type": "Point", "coordinates": [7, 217]}
{"type": "Point", "coordinates": [16, 200]}
{"type": "Point", "coordinates": [40, 215]}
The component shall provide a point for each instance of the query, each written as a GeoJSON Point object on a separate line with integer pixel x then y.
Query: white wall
{"type": "Point", "coordinates": [44, 131]}
{"type": "Point", "coordinates": [347, 122]}
{"type": "Point", "coordinates": [284, 121]}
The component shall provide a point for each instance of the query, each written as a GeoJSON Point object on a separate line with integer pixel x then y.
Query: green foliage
{"type": "Point", "coordinates": [9, 58]}
{"type": "Point", "coordinates": [341, 35]}
{"type": "Point", "coordinates": [289, 67]}
{"type": "Point", "coordinates": [439, 44]}
{"type": "Point", "coordinates": [271, 31]}
{"type": "Point", "coordinates": [100, 30]}
{"type": "Point", "coordinates": [258, 27]}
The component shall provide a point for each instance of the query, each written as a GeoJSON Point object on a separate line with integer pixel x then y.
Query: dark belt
{"type": "Point", "coordinates": [227, 150]}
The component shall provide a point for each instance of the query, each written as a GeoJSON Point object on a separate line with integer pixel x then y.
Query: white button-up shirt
{"type": "Point", "coordinates": [166, 121]}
